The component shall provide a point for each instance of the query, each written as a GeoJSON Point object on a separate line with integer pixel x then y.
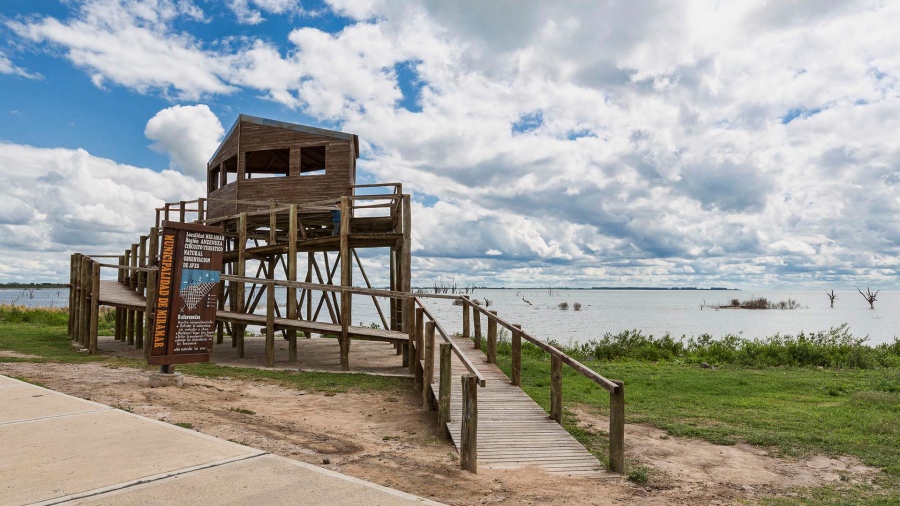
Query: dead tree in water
{"type": "Point", "coordinates": [869, 296]}
{"type": "Point", "coordinates": [832, 296]}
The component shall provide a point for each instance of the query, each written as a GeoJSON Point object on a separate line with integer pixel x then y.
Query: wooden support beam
{"type": "Point", "coordinates": [345, 334]}
{"type": "Point", "coordinates": [95, 306]}
{"type": "Point", "coordinates": [492, 339]}
{"type": "Point", "coordinates": [419, 370]}
{"type": "Point", "coordinates": [556, 388]}
{"type": "Point", "coordinates": [409, 356]}
{"type": "Point", "coordinates": [468, 446]}
{"type": "Point", "coordinates": [270, 325]}
{"type": "Point", "coordinates": [150, 313]}
{"type": "Point", "coordinates": [369, 285]}
{"type": "Point", "coordinates": [428, 374]}
{"type": "Point", "coordinates": [466, 330]}
{"type": "Point", "coordinates": [293, 225]}
{"type": "Point", "coordinates": [476, 340]}
{"type": "Point", "coordinates": [444, 380]}
{"type": "Point", "coordinates": [617, 428]}
{"type": "Point", "coordinates": [71, 323]}
{"type": "Point", "coordinates": [346, 281]}
{"type": "Point", "coordinates": [404, 269]}
{"type": "Point", "coordinates": [133, 274]}
{"type": "Point", "coordinates": [516, 359]}
{"type": "Point", "coordinates": [238, 293]}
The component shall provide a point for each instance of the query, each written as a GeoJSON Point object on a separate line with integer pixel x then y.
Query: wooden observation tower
{"type": "Point", "coordinates": [282, 191]}
{"type": "Point", "coordinates": [294, 220]}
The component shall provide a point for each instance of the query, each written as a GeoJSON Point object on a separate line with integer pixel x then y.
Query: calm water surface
{"type": "Point", "coordinates": [652, 312]}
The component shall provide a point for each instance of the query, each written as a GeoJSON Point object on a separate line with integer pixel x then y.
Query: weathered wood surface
{"type": "Point", "coordinates": [115, 294]}
{"type": "Point", "coordinates": [513, 430]}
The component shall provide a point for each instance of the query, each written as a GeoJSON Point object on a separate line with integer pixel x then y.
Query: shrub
{"type": "Point", "coordinates": [577, 306]}
{"type": "Point", "coordinates": [563, 305]}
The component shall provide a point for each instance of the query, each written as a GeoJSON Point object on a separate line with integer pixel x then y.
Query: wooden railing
{"type": "Point", "coordinates": [84, 301]}
{"type": "Point", "coordinates": [424, 377]}
{"type": "Point", "coordinates": [615, 388]}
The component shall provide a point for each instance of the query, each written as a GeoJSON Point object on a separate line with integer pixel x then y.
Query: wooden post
{"type": "Point", "coordinates": [71, 323]}
{"type": "Point", "coordinates": [346, 282]}
{"type": "Point", "coordinates": [201, 212]}
{"type": "Point", "coordinates": [468, 447]}
{"type": "Point", "coordinates": [95, 305]}
{"type": "Point", "coordinates": [133, 274]}
{"type": "Point", "coordinates": [270, 324]}
{"type": "Point", "coordinates": [345, 330]}
{"type": "Point", "coordinates": [120, 313]}
{"type": "Point", "coordinates": [617, 428]}
{"type": "Point", "coordinates": [492, 339]}
{"type": "Point", "coordinates": [239, 292]}
{"type": "Point", "coordinates": [516, 368]}
{"type": "Point", "coordinates": [410, 329]}
{"type": "Point", "coordinates": [476, 316]}
{"type": "Point", "coordinates": [182, 205]}
{"type": "Point", "coordinates": [556, 388]}
{"type": "Point", "coordinates": [444, 390]}
{"type": "Point", "coordinates": [420, 352]}
{"type": "Point", "coordinates": [129, 326]}
{"type": "Point", "coordinates": [82, 298]}
{"type": "Point", "coordinates": [150, 313]}
{"type": "Point", "coordinates": [74, 291]}
{"type": "Point", "coordinates": [292, 276]}
{"type": "Point", "coordinates": [428, 375]}
{"type": "Point", "coordinates": [465, 321]}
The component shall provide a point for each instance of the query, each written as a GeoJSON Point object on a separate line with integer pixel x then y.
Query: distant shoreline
{"type": "Point", "coordinates": [32, 286]}
{"type": "Point", "coordinates": [656, 288]}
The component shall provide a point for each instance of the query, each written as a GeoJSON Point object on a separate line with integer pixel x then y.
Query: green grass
{"type": "Point", "coordinates": [793, 411]}
{"type": "Point", "coordinates": [49, 343]}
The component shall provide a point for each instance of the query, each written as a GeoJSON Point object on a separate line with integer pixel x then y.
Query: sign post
{"type": "Point", "coordinates": [190, 261]}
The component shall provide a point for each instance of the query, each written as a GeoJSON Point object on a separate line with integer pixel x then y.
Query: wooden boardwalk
{"type": "Point", "coordinates": [513, 430]}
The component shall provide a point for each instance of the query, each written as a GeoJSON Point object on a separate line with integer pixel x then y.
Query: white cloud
{"type": "Point", "coordinates": [649, 141]}
{"type": "Point", "coordinates": [7, 67]}
{"type": "Point", "coordinates": [188, 135]}
{"type": "Point", "coordinates": [131, 43]}
{"type": "Point", "coordinates": [250, 11]}
{"type": "Point", "coordinates": [58, 201]}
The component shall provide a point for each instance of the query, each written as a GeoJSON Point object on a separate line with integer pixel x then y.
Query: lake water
{"type": "Point", "coordinates": [652, 312]}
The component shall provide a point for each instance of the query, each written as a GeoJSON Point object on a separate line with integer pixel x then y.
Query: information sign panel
{"type": "Point", "coordinates": [190, 261]}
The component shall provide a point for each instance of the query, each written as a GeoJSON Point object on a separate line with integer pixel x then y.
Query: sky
{"type": "Point", "coordinates": [747, 144]}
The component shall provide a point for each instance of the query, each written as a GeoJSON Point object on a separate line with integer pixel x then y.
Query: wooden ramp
{"type": "Point", "coordinates": [513, 430]}
{"type": "Point", "coordinates": [113, 293]}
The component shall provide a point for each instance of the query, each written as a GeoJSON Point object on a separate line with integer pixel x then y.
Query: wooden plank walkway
{"type": "Point", "coordinates": [513, 430]}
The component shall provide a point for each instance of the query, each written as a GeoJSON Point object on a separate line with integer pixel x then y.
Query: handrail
{"type": "Point", "coordinates": [462, 357]}
{"type": "Point", "coordinates": [592, 375]}
{"type": "Point", "coordinates": [316, 286]}
{"type": "Point", "coordinates": [129, 268]}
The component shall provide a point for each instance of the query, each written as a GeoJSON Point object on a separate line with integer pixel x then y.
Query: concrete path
{"type": "Point", "coordinates": [59, 449]}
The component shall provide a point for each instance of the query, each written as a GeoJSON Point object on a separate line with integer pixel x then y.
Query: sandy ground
{"type": "Point", "coordinates": [387, 439]}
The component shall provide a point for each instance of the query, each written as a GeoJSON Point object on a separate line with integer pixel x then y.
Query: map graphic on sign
{"type": "Point", "coordinates": [196, 285]}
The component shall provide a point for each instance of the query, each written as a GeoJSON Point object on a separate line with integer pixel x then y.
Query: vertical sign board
{"type": "Point", "coordinates": [190, 261]}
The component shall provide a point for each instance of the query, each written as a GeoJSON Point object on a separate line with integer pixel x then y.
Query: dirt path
{"type": "Point", "coordinates": [387, 439]}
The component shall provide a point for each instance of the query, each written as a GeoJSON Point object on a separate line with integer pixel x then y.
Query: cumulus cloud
{"type": "Point", "coordinates": [132, 43]}
{"type": "Point", "coordinates": [57, 201]}
{"type": "Point", "coordinates": [598, 142]}
{"type": "Point", "coordinates": [188, 135]}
